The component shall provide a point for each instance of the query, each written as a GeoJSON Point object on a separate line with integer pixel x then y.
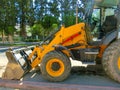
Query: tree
{"type": "Point", "coordinates": [40, 9]}
{"type": "Point", "coordinates": [22, 8]}
{"type": "Point", "coordinates": [31, 13]}
{"type": "Point", "coordinates": [48, 12]}
{"type": "Point", "coordinates": [7, 16]}
{"type": "Point", "coordinates": [25, 15]}
{"type": "Point", "coordinates": [37, 30]}
{"type": "Point", "coordinates": [67, 12]}
{"type": "Point", "coordinates": [54, 8]}
{"type": "Point", "coordinates": [47, 23]}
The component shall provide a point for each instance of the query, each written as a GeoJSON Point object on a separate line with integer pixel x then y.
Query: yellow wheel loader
{"type": "Point", "coordinates": [54, 55]}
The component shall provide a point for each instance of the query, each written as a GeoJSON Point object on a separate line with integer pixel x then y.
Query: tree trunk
{"type": "Point", "coordinates": [23, 30]}
{"type": "Point", "coordinates": [10, 39]}
{"type": "Point", "coordinates": [23, 23]}
{"type": "Point", "coordinates": [3, 37]}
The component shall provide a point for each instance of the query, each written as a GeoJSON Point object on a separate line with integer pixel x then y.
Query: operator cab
{"type": "Point", "coordinates": [103, 22]}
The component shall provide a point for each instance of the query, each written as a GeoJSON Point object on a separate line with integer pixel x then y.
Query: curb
{"type": "Point", "coordinates": [30, 85]}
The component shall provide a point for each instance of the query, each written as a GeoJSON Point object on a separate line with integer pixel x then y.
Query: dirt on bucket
{"type": "Point", "coordinates": [13, 70]}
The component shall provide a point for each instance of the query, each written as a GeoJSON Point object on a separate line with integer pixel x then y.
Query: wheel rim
{"type": "Point", "coordinates": [119, 63]}
{"type": "Point", "coordinates": [55, 67]}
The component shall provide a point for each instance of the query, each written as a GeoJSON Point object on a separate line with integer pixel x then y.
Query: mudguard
{"type": "Point", "coordinates": [109, 37]}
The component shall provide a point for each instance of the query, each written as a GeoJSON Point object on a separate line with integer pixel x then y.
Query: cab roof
{"type": "Point", "coordinates": [106, 3]}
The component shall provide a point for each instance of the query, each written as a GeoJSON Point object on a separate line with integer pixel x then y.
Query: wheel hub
{"type": "Point", "coordinates": [55, 66]}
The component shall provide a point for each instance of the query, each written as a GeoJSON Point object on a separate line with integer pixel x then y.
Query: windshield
{"type": "Point", "coordinates": [88, 10]}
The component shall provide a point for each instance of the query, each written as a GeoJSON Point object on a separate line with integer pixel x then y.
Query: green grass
{"type": "Point", "coordinates": [14, 45]}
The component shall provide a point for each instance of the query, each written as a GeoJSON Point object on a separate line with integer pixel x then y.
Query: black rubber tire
{"type": "Point", "coordinates": [110, 61]}
{"type": "Point", "coordinates": [60, 56]}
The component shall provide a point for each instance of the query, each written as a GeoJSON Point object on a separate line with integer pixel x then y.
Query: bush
{"type": "Point", "coordinates": [32, 40]}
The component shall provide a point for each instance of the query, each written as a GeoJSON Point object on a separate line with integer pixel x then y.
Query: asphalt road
{"type": "Point", "coordinates": [78, 77]}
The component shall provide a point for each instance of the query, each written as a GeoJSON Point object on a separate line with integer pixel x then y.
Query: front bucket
{"type": "Point", "coordinates": [13, 69]}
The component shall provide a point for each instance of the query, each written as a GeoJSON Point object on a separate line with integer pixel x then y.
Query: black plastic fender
{"type": "Point", "coordinates": [109, 37]}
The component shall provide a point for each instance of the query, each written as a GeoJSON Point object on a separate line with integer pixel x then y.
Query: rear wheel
{"type": "Point", "coordinates": [55, 66]}
{"type": "Point", "coordinates": [111, 61]}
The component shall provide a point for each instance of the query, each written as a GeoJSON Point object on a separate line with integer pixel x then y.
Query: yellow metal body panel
{"type": "Point", "coordinates": [65, 37]}
{"type": "Point", "coordinates": [118, 63]}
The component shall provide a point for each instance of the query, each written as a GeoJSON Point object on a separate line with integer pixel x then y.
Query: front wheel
{"type": "Point", "coordinates": [55, 66]}
{"type": "Point", "coordinates": [111, 61]}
